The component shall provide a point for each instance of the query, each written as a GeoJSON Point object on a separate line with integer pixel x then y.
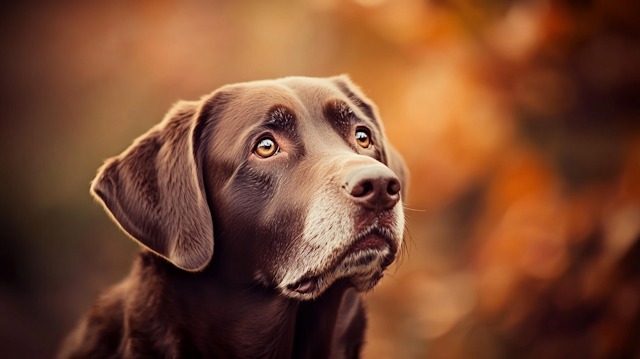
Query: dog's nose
{"type": "Point", "coordinates": [375, 187]}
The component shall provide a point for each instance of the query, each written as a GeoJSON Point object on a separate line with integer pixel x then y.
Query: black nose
{"type": "Point", "coordinates": [375, 187]}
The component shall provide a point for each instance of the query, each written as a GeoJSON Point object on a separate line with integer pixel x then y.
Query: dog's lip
{"type": "Point", "coordinates": [304, 286]}
{"type": "Point", "coordinates": [373, 240]}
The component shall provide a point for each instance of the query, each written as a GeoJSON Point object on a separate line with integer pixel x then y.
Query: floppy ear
{"type": "Point", "coordinates": [391, 157]}
{"type": "Point", "coordinates": [154, 190]}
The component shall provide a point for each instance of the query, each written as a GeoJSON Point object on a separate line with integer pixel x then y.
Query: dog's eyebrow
{"type": "Point", "coordinates": [340, 115]}
{"type": "Point", "coordinates": [366, 109]}
{"type": "Point", "coordinates": [278, 118]}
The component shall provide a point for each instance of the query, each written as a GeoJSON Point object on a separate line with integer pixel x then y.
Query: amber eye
{"type": "Point", "coordinates": [363, 138]}
{"type": "Point", "coordinates": [266, 147]}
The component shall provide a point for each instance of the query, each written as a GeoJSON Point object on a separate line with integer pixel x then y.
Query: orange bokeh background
{"type": "Point", "coordinates": [518, 120]}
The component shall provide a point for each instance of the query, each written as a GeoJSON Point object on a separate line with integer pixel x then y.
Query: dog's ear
{"type": "Point", "coordinates": [391, 157]}
{"type": "Point", "coordinates": [154, 190]}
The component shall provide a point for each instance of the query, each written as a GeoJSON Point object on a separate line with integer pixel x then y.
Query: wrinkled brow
{"type": "Point", "coordinates": [278, 118]}
{"type": "Point", "coordinates": [364, 107]}
{"type": "Point", "coordinates": [340, 116]}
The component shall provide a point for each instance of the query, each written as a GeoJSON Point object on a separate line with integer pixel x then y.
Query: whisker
{"type": "Point", "coordinates": [406, 245]}
{"type": "Point", "coordinates": [413, 209]}
{"type": "Point", "coordinates": [407, 207]}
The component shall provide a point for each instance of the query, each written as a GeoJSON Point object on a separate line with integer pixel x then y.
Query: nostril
{"type": "Point", "coordinates": [362, 189]}
{"type": "Point", "coordinates": [393, 187]}
{"type": "Point", "coordinates": [373, 187]}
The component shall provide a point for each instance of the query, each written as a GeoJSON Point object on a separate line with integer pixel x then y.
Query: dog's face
{"type": "Point", "coordinates": [294, 175]}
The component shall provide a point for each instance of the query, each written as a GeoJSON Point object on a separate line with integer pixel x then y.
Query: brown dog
{"type": "Point", "coordinates": [295, 181]}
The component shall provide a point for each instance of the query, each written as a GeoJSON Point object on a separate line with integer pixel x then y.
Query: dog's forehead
{"type": "Point", "coordinates": [250, 103]}
{"type": "Point", "coordinates": [305, 96]}
{"type": "Point", "coordinates": [312, 92]}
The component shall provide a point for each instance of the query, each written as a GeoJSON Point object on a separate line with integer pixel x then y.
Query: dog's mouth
{"type": "Point", "coordinates": [373, 241]}
{"type": "Point", "coordinates": [365, 260]}
{"type": "Point", "coordinates": [304, 286]}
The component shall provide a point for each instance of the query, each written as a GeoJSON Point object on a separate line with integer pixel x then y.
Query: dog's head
{"type": "Point", "coordinates": [294, 176]}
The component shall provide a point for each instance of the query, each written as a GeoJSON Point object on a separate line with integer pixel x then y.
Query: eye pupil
{"type": "Point", "coordinates": [266, 147]}
{"type": "Point", "coordinates": [266, 144]}
{"type": "Point", "coordinates": [362, 137]}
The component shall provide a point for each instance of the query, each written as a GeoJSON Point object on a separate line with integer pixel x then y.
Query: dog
{"type": "Point", "coordinates": [294, 182]}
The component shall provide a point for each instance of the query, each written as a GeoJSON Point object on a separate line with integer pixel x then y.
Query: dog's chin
{"type": "Point", "coordinates": [363, 265]}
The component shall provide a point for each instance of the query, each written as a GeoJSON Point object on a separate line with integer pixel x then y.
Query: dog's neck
{"type": "Point", "coordinates": [215, 317]}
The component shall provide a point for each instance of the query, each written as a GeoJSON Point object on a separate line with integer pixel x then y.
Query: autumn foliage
{"type": "Point", "coordinates": [518, 121]}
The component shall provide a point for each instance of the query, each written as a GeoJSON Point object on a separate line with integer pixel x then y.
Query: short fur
{"type": "Point", "coordinates": [298, 235]}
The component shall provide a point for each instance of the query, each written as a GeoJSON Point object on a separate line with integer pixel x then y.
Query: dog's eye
{"type": "Point", "coordinates": [267, 147]}
{"type": "Point", "coordinates": [363, 138]}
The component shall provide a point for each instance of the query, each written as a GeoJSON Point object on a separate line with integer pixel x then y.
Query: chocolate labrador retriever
{"type": "Point", "coordinates": [294, 181]}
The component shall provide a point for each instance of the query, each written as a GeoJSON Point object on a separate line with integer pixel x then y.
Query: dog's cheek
{"type": "Point", "coordinates": [259, 203]}
{"type": "Point", "coordinates": [239, 206]}
{"type": "Point", "coordinates": [280, 233]}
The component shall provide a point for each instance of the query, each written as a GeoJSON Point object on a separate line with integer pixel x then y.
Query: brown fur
{"type": "Point", "coordinates": [294, 242]}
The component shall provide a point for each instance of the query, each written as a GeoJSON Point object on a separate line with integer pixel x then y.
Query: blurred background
{"type": "Point", "coordinates": [517, 118]}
